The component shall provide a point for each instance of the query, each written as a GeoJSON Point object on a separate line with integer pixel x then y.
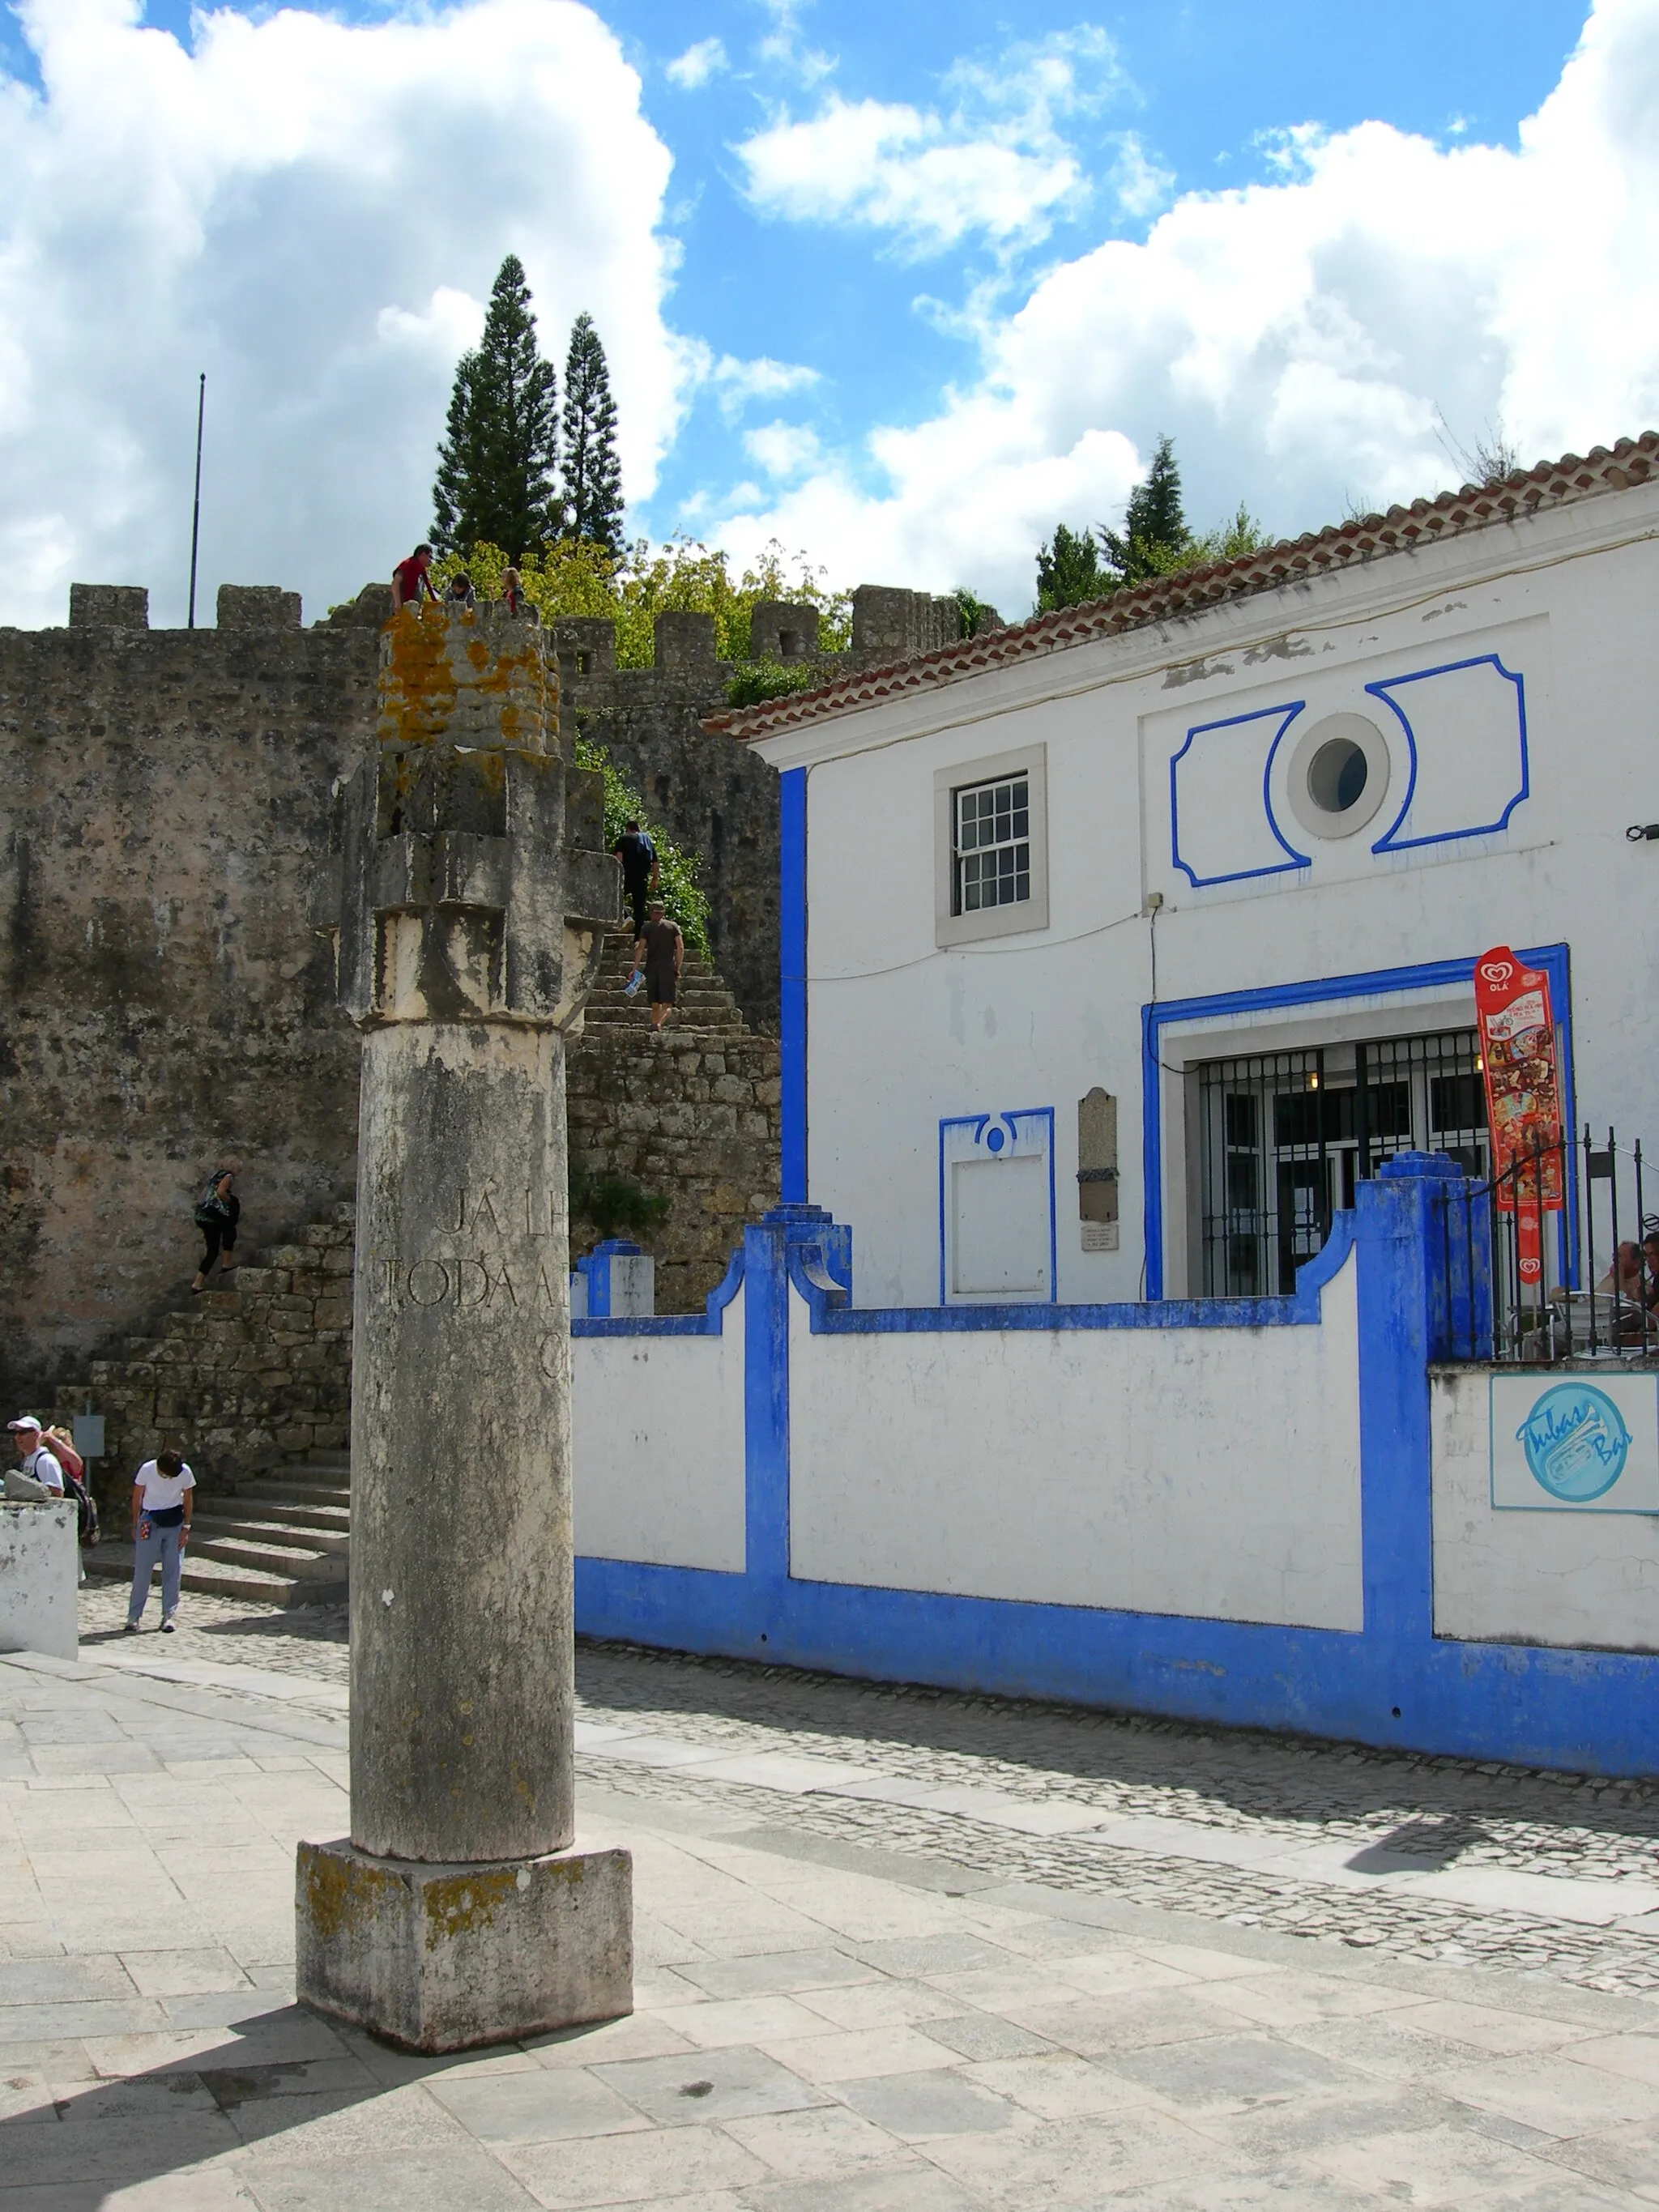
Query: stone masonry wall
{"type": "Point", "coordinates": [255, 1371]}
{"type": "Point", "coordinates": [693, 1115]}
{"type": "Point", "coordinates": [164, 1005]}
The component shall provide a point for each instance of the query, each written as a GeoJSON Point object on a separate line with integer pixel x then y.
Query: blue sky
{"type": "Point", "coordinates": [901, 287]}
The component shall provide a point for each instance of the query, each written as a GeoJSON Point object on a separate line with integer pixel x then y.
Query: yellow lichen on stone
{"type": "Point", "coordinates": [466, 1904]}
{"type": "Point", "coordinates": [340, 1892]}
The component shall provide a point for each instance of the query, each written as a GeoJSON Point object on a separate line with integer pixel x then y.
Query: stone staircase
{"type": "Point", "coordinates": [281, 1538]}
{"type": "Point", "coordinates": [253, 1382]}
{"type": "Point", "coordinates": [703, 1004]}
{"type": "Point", "coordinates": [692, 1115]}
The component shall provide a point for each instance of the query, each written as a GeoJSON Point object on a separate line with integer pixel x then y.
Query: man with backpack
{"type": "Point", "coordinates": [35, 1457]}
{"type": "Point", "coordinates": [61, 1445]}
{"type": "Point", "coordinates": [218, 1210]}
{"type": "Point", "coordinates": [637, 857]}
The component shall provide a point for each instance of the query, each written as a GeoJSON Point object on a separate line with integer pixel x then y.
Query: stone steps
{"type": "Point", "coordinates": [217, 1578]}
{"type": "Point", "coordinates": [281, 1539]}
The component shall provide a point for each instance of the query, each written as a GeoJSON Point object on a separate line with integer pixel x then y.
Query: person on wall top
{"type": "Point", "coordinates": [410, 583]}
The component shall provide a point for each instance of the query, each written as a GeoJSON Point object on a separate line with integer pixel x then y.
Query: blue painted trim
{"type": "Point", "coordinates": [791, 980]}
{"type": "Point", "coordinates": [1227, 722]}
{"type": "Point", "coordinates": [711, 1322]}
{"type": "Point", "coordinates": [1393, 1682]}
{"type": "Point", "coordinates": [1317, 990]}
{"type": "Point", "coordinates": [976, 1122]}
{"type": "Point", "coordinates": [831, 1315]}
{"type": "Point", "coordinates": [1385, 689]}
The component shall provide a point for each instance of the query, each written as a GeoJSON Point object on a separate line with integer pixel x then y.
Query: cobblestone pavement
{"type": "Point", "coordinates": [1314, 1839]}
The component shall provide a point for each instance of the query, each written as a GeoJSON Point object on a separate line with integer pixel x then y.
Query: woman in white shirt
{"type": "Point", "coordinates": [161, 1529]}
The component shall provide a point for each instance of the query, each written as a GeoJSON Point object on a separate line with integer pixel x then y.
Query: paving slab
{"type": "Point", "coordinates": [896, 1950]}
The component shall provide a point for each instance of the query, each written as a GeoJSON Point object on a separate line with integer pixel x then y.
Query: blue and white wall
{"type": "Point", "coordinates": [1503, 679]}
{"type": "Point", "coordinates": [1252, 1511]}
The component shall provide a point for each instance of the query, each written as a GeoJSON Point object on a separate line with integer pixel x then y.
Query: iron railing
{"type": "Point", "coordinates": [1553, 1258]}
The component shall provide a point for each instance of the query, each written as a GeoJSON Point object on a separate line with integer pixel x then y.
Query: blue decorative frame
{"type": "Point", "coordinates": [1431, 975]}
{"type": "Point", "coordinates": [1383, 690]}
{"type": "Point", "coordinates": [1227, 722]}
{"type": "Point", "coordinates": [1392, 1682]}
{"type": "Point", "coordinates": [976, 1122]}
{"type": "Point", "coordinates": [708, 1322]}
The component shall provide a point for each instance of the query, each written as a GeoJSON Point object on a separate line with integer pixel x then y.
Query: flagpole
{"type": "Point", "coordinates": [196, 512]}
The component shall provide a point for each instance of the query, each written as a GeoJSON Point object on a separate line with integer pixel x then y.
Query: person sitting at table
{"type": "Point", "coordinates": [1624, 1279]}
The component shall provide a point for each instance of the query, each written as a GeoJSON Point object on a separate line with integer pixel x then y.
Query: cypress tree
{"type": "Point", "coordinates": [496, 466]}
{"type": "Point", "coordinates": [592, 474]}
{"type": "Point", "coordinates": [1154, 523]}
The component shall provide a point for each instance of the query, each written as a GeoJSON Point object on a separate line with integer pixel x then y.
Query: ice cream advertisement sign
{"type": "Point", "coordinates": [1523, 1103]}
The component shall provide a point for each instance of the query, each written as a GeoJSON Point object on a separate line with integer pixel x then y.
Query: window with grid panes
{"type": "Point", "coordinates": [992, 856]}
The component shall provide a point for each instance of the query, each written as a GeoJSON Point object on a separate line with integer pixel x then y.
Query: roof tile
{"type": "Point", "coordinates": [1631, 461]}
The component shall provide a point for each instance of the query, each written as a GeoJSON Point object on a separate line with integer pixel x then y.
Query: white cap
{"type": "Point", "coordinates": [24, 1421]}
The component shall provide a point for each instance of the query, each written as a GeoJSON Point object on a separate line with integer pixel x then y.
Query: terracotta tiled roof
{"type": "Point", "coordinates": [1552, 483]}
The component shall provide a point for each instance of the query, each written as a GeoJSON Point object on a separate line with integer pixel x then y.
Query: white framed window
{"type": "Point", "coordinates": [991, 847]}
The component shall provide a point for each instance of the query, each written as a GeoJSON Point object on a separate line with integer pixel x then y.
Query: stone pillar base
{"type": "Point", "coordinates": [445, 1958]}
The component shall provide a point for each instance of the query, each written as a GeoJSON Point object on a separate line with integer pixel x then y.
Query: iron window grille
{"type": "Point", "coordinates": [1286, 1136]}
{"type": "Point", "coordinates": [991, 845]}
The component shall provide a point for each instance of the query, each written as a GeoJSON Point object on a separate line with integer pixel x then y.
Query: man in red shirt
{"type": "Point", "coordinates": [410, 583]}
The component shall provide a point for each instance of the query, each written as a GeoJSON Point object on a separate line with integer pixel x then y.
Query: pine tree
{"type": "Point", "coordinates": [496, 483]}
{"type": "Point", "coordinates": [592, 474]}
{"type": "Point", "coordinates": [1069, 570]}
{"type": "Point", "coordinates": [1155, 533]}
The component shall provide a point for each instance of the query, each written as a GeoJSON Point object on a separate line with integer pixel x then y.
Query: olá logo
{"type": "Point", "coordinates": [1575, 1442]}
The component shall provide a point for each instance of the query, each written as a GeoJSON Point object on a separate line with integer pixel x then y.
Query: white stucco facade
{"type": "Point", "coordinates": [1206, 1472]}
{"type": "Point", "coordinates": [1502, 682]}
{"type": "Point", "coordinates": [658, 1446]}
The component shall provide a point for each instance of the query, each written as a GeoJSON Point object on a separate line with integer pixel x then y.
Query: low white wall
{"type": "Point", "coordinates": [1573, 1578]}
{"type": "Point", "coordinates": [658, 1425]}
{"type": "Point", "coordinates": [39, 1566]}
{"type": "Point", "coordinates": [1211, 1471]}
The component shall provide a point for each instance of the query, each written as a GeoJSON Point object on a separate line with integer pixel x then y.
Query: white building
{"type": "Point", "coordinates": [1120, 942]}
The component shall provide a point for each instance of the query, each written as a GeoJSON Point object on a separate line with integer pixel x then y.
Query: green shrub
{"type": "Point", "coordinates": [617, 1207]}
{"type": "Point", "coordinates": [759, 680]}
{"type": "Point", "coordinates": [676, 870]}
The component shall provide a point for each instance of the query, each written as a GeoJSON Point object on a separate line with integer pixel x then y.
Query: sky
{"type": "Point", "coordinates": [900, 288]}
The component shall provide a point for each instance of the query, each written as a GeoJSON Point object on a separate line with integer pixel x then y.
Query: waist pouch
{"type": "Point", "coordinates": [164, 1517]}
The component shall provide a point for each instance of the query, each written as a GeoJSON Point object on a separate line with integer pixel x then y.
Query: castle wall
{"type": "Point", "coordinates": [164, 1006]}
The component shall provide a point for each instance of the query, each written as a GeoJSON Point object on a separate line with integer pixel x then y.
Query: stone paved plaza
{"type": "Point", "coordinates": [895, 1950]}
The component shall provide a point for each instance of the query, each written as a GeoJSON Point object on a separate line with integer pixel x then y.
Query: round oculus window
{"type": "Point", "coordinates": [1338, 776]}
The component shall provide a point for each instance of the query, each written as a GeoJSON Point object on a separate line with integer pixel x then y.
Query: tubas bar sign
{"type": "Point", "coordinates": [1577, 1443]}
{"type": "Point", "coordinates": [1523, 1097]}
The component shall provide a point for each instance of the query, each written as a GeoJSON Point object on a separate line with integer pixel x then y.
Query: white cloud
{"type": "Point", "coordinates": [313, 213]}
{"type": "Point", "coordinates": [738, 382]}
{"type": "Point", "coordinates": [996, 163]}
{"type": "Point", "coordinates": [784, 46]}
{"type": "Point", "coordinates": [696, 64]}
{"type": "Point", "coordinates": [1297, 337]}
{"type": "Point", "coordinates": [783, 449]}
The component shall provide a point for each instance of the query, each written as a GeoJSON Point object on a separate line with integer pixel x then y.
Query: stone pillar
{"type": "Point", "coordinates": [459, 1913]}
